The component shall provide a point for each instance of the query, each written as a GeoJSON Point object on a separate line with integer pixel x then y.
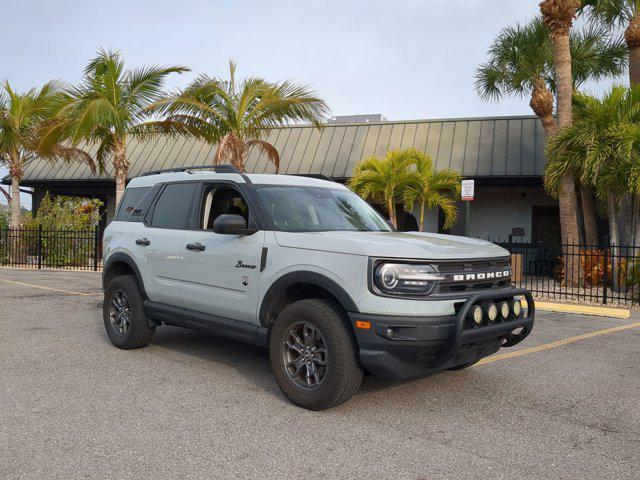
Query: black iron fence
{"type": "Point", "coordinates": [604, 274]}
{"type": "Point", "coordinates": [51, 248]}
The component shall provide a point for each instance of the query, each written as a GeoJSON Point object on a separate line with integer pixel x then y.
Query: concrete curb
{"type": "Point", "coordinates": [583, 309]}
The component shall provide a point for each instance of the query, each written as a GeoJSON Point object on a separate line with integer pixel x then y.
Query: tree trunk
{"type": "Point", "coordinates": [634, 65]}
{"type": "Point", "coordinates": [558, 16]}
{"type": "Point", "coordinates": [634, 249]}
{"type": "Point", "coordinates": [632, 37]}
{"type": "Point", "coordinates": [15, 170]}
{"type": "Point", "coordinates": [625, 215]}
{"type": "Point", "coordinates": [563, 77]}
{"type": "Point", "coordinates": [635, 235]}
{"type": "Point", "coordinates": [421, 226]}
{"type": "Point", "coordinates": [542, 105]}
{"type": "Point", "coordinates": [237, 159]}
{"type": "Point", "coordinates": [589, 213]}
{"type": "Point", "coordinates": [569, 228]}
{"type": "Point", "coordinates": [121, 169]}
{"type": "Point", "coordinates": [392, 212]}
{"type": "Point", "coordinates": [614, 239]}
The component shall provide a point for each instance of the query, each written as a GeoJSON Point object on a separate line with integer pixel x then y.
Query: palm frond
{"type": "Point", "coordinates": [520, 54]}
{"type": "Point", "coordinates": [611, 13]}
{"type": "Point", "coordinates": [385, 179]}
{"type": "Point", "coordinates": [269, 150]}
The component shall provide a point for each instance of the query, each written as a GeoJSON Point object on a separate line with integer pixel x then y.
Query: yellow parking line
{"type": "Point", "coordinates": [50, 288]}
{"type": "Point", "coordinates": [556, 344]}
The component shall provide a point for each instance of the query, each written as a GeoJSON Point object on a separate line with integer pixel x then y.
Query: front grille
{"type": "Point", "coordinates": [462, 276]}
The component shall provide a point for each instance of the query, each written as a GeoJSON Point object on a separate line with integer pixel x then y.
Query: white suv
{"type": "Point", "coordinates": [304, 267]}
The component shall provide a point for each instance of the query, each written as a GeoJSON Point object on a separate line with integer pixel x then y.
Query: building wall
{"type": "Point", "coordinates": [110, 208]}
{"type": "Point", "coordinates": [497, 210]}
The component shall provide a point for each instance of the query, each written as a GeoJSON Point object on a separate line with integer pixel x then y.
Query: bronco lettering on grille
{"type": "Point", "coordinates": [465, 277]}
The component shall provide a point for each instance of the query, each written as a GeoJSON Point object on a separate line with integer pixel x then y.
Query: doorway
{"type": "Point", "coordinates": [545, 224]}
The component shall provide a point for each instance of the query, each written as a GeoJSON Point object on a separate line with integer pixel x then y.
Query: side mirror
{"type": "Point", "coordinates": [230, 224]}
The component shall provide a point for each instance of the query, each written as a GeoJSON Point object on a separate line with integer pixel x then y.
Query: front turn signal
{"type": "Point", "coordinates": [363, 325]}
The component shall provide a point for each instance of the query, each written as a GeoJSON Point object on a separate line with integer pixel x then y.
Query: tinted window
{"type": "Point", "coordinates": [306, 209]}
{"type": "Point", "coordinates": [134, 204]}
{"type": "Point", "coordinates": [173, 208]}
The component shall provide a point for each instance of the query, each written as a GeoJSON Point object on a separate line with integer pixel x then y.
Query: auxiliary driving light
{"type": "Point", "coordinates": [476, 314]}
{"type": "Point", "coordinates": [492, 312]}
{"type": "Point", "coordinates": [517, 308]}
{"type": "Point", "coordinates": [504, 309]}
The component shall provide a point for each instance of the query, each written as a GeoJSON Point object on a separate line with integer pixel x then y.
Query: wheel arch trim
{"type": "Point", "coordinates": [121, 257]}
{"type": "Point", "coordinates": [303, 277]}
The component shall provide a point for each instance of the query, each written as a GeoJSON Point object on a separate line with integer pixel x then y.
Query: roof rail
{"type": "Point", "coordinates": [215, 168]}
{"type": "Point", "coordinates": [317, 176]}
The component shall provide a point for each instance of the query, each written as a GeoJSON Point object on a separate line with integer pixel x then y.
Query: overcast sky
{"type": "Point", "coordinates": [405, 59]}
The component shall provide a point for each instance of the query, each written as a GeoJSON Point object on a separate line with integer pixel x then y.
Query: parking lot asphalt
{"type": "Point", "coordinates": [197, 406]}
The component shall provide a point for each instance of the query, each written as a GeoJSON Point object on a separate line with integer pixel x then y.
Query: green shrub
{"type": "Point", "coordinates": [4, 217]}
{"type": "Point", "coordinates": [65, 213]}
{"type": "Point", "coordinates": [68, 225]}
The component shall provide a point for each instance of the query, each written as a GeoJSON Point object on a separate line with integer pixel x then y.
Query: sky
{"type": "Point", "coordinates": [405, 59]}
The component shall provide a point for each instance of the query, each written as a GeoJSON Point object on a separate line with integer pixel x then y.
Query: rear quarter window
{"type": "Point", "coordinates": [134, 204]}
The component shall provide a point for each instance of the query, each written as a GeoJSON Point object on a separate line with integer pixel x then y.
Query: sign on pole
{"type": "Point", "coordinates": [467, 190]}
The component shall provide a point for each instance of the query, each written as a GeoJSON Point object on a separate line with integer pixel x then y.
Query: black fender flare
{"type": "Point", "coordinates": [121, 257]}
{"type": "Point", "coordinates": [307, 277]}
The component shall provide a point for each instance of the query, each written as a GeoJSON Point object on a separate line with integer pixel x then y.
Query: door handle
{"type": "Point", "coordinates": [195, 246]}
{"type": "Point", "coordinates": [145, 242]}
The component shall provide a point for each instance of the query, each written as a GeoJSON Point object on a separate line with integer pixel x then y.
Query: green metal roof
{"type": "Point", "coordinates": [475, 147]}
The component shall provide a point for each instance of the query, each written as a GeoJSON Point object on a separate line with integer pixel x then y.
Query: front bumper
{"type": "Point", "coordinates": [426, 345]}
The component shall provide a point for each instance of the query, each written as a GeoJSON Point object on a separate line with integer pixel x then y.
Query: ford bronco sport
{"type": "Point", "coordinates": [304, 267]}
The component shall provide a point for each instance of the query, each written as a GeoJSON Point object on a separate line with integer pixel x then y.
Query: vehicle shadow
{"type": "Point", "coordinates": [251, 361]}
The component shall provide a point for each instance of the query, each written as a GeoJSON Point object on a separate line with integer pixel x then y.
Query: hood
{"type": "Point", "coordinates": [419, 245]}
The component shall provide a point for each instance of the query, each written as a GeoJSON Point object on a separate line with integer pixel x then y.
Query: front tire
{"type": "Point", "coordinates": [314, 355]}
{"type": "Point", "coordinates": [124, 318]}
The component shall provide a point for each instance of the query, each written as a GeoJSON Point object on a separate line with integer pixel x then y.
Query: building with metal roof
{"type": "Point", "coordinates": [505, 155]}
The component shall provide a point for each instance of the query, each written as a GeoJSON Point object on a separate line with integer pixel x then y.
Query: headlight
{"type": "Point", "coordinates": [406, 279]}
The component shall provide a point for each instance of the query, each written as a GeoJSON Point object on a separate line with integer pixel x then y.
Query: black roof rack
{"type": "Point", "coordinates": [215, 168]}
{"type": "Point", "coordinates": [317, 176]}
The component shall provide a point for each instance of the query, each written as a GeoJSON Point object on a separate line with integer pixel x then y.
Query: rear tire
{"type": "Point", "coordinates": [314, 356]}
{"type": "Point", "coordinates": [124, 318]}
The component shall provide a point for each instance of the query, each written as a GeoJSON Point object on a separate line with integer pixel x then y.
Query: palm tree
{"type": "Point", "coordinates": [603, 146]}
{"type": "Point", "coordinates": [625, 14]}
{"type": "Point", "coordinates": [521, 63]}
{"type": "Point", "coordinates": [236, 115]}
{"type": "Point", "coordinates": [385, 180]}
{"type": "Point", "coordinates": [558, 16]}
{"type": "Point", "coordinates": [616, 14]}
{"type": "Point", "coordinates": [108, 106]}
{"type": "Point", "coordinates": [433, 190]}
{"type": "Point", "coordinates": [22, 116]}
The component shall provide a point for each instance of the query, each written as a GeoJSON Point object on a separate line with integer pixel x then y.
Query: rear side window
{"type": "Point", "coordinates": [173, 208]}
{"type": "Point", "coordinates": [134, 204]}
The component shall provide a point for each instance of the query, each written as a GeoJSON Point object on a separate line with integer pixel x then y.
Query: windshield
{"type": "Point", "coordinates": [308, 209]}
